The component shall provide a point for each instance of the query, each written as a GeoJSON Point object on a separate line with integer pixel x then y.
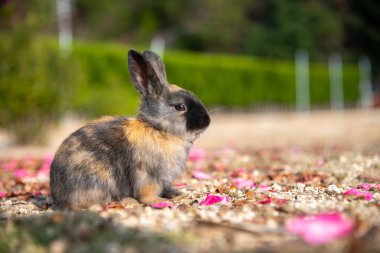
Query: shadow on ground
{"type": "Point", "coordinates": [80, 232]}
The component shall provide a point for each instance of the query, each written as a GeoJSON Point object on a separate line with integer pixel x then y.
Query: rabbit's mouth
{"type": "Point", "coordinates": [195, 134]}
{"type": "Point", "coordinates": [198, 133]}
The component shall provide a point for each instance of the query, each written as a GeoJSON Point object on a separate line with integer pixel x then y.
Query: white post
{"type": "Point", "coordinates": [157, 45]}
{"type": "Point", "coordinates": [302, 81]}
{"type": "Point", "coordinates": [366, 95]}
{"type": "Point", "coordinates": [65, 36]}
{"type": "Point", "coordinates": [336, 82]}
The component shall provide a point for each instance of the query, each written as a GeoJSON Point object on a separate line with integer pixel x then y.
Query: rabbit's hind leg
{"type": "Point", "coordinates": [83, 199]}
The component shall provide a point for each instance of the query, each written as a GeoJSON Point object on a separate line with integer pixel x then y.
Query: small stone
{"type": "Point", "coordinates": [334, 189]}
{"type": "Point", "coordinates": [96, 208]}
{"type": "Point", "coordinates": [300, 185]}
{"type": "Point", "coordinates": [183, 207]}
{"type": "Point", "coordinates": [277, 187]}
{"type": "Point", "coordinates": [58, 246]}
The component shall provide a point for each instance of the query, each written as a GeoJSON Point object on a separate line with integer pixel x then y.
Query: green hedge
{"type": "Point", "coordinates": [219, 80]}
{"type": "Point", "coordinates": [37, 84]}
{"type": "Point", "coordinates": [105, 87]}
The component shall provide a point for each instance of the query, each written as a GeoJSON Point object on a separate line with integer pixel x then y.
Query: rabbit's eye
{"type": "Point", "coordinates": [180, 107]}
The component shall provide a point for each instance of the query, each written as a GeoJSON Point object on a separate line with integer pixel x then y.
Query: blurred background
{"type": "Point", "coordinates": [63, 58]}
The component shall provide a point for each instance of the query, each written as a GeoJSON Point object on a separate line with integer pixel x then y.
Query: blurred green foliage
{"type": "Point", "coordinates": [262, 28]}
{"type": "Point", "coordinates": [218, 80]}
{"type": "Point", "coordinates": [104, 87]}
{"type": "Point", "coordinates": [34, 80]}
{"type": "Point", "coordinates": [267, 28]}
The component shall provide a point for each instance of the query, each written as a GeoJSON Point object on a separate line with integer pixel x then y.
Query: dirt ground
{"type": "Point", "coordinates": [291, 165]}
{"type": "Point", "coordinates": [356, 129]}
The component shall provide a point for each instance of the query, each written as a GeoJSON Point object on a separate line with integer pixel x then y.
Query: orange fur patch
{"type": "Point", "coordinates": [144, 137]}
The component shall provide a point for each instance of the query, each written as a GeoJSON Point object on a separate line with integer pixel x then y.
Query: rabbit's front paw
{"type": "Point", "coordinates": [129, 202]}
{"type": "Point", "coordinates": [149, 194]}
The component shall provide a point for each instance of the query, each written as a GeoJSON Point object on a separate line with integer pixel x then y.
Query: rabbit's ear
{"type": "Point", "coordinates": [156, 62]}
{"type": "Point", "coordinates": [143, 75]}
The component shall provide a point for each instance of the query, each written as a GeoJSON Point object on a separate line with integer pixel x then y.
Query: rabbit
{"type": "Point", "coordinates": [117, 158]}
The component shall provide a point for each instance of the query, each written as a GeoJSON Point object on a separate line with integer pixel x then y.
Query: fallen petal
{"type": "Point", "coordinates": [369, 186]}
{"type": "Point", "coordinates": [242, 183]}
{"type": "Point", "coordinates": [239, 172]}
{"type": "Point", "coordinates": [320, 162]}
{"type": "Point", "coordinates": [20, 173]}
{"type": "Point", "coordinates": [321, 228]}
{"type": "Point", "coordinates": [3, 194]}
{"type": "Point", "coordinates": [359, 194]}
{"type": "Point", "coordinates": [201, 175]}
{"type": "Point", "coordinates": [213, 199]}
{"type": "Point", "coordinates": [197, 154]}
{"type": "Point", "coordinates": [37, 193]}
{"type": "Point", "coordinates": [10, 165]}
{"type": "Point", "coordinates": [265, 201]}
{"type": "Point", "coordinates": [161, 205]}
{"type": "Point", "coordinates": [219, 166]}
{"type": "Point", "coordinates": [48, 159]}
{"type": "Point", "coordinates": [263, 188]}
{"type": "Point", "coordinates": [279, 201]}
{"type": "Point", "coordinates": [180, 185]}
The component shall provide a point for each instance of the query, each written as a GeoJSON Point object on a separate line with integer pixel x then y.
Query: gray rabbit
{"type": "Point", "coordinates": [116, 158]}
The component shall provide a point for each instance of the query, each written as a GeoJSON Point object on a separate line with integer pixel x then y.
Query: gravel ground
{"type": "Point", "coordinates": [263, 188]}
{"type": "Point", "coordinates": [288, 183]}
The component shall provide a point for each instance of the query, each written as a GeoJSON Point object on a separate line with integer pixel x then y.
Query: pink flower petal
{"type": "Point", "coordinates": [180, 185]}
{"type": "Point", "coordinates": [239, 172]}
{"type": "Point", "coordinates": [38, 193]}
{"type": "Point", "coordinates": [20, 173]}
{"type": "Point", "coordinates": [280, 201]}
{"type": "Point", "coordinates": [200, 175]}
{"type": "Point", "coordinates": [48, 159]}
{"type": "Point", "coordinates": [321, 228]}
{"type": "Point", "coordinates": [10, 165]}
{"type": "Point", "coordinates": [242, 183]}
{"type": "Point", "coordinates": [161, 205]}
{"type": "Point", "coordinates": [321, 162]}
{"type": "Point", "coordinates": [263, 188]}
{"type": "Point", "coordinates": [369, 186]}
{"type": "Point", "coordinates": [197, 154]}
{"type": "Point", "coordinates": [266, 200]}
{"type": "Point", "coordinates": [213, 199]}
{"type": "Point", "coordinates": [219, 166]}
{"type": "Point", "coordinates": [359, 194]}
{"type": "Point", "coordinates": [3, 194]}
